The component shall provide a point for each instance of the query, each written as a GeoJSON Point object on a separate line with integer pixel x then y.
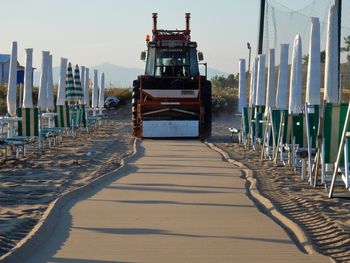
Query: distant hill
{"type": "Point", "coordinates": [118, 76]}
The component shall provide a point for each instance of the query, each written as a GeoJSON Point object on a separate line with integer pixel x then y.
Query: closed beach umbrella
{"type": "Point", "coordinates": [86, 88]}
{"type": "Point", "coordinates": [70, 92]}
{"type": "Point", "coordinates": [95, 90]}
{"type": "Point", "coordinates": [295, 88]}
{"type": "Point", "coordinates": [260, 86]}
{"type": "Point", "coordinates": [253, 79]}
{"type": "Point", "coordinates": [12, 84]}
{"type": "Point", "coordinates": [282, 85]}
{"type": "Point", "coordinates": [313, 82]}
{"type": "Point", "coordinates": [331, 69]}
{"type": "Point", "coordinates": [242, 91]}
{"type": "Point", "coordinates": [42, 95]}
{"type": "Point", "coordinates": [28, 80]}
{"type": "Point", "coordinates": [50, 98]}
{"type": "Point", "coordinates": [61, 93]}
{"type": "Point", "coordinates": [270, 91]}
{"type": "Point", "coordinates": [82, 82]}
{"type": "Point", "coordinates": [77, 84]}
{"type": "Point", "coordinates": [101, 98]}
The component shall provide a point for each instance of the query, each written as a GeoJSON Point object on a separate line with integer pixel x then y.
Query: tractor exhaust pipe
{"type": "Point", "coordinates": [154, 16]}
{"type": "Point", "coordinates": [188, 16]}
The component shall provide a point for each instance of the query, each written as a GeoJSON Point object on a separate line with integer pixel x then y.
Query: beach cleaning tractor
{"type": "Point", "coordinates": [172, 99]}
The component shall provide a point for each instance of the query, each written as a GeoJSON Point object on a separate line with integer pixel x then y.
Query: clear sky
{"type": "Point", "coordinates": [91, 32]}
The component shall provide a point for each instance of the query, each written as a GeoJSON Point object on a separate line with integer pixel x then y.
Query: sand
{"type": "Point", "coordinates": [30, 184]}
{"type": "Point", "coordinates": [325, 221]}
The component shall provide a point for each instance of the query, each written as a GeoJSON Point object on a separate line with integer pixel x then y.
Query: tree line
{"type": "Point", "coordinates": [231, 81]}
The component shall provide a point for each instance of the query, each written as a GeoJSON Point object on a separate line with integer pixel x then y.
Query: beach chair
{"type": "Point", "coordinates": [256, 125]}
{"type": "Point", "coordinates": [62, 119]}
{"type": "Point", "coordinates": [342, 162]}
{"type": "Point", "coordinates": [331, 128]}
{"type": "Point", "coordinates": [244, 128]}
{"type": "Point", "coordinates": [279, 132]}
{"type": "Point", "coordinates": [311, 121]}
{"type": "Point", "coordinates": [296, 140]}
{"type": "Point", "coordinates": [3, 143]}
{"type": "Point", "coordinates": [272, 126]}
{"type": "Point", "coordinates": [28, 131]}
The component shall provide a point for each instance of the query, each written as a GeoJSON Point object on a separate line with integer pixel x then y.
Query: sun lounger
{"type": "Point", "coordinates": [330, 142]}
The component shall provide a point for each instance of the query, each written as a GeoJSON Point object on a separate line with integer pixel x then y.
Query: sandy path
{"type": "Point", "coordinates": [178, 203]}
{"type": "Point", "coordinates": [28, 185]}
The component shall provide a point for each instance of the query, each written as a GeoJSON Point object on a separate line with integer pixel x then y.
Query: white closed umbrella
{"type": "Point", "coordinates": [260, 86]}
{"type": "Point", "coordinates": [270, 91]}
{"type": "Point", "coordinates": [331, 68]}
{"type": "Point", "coordinates": [282, 85]}
{"type": "Point", "coordinates": [313, 81]}
{"type": "Point", "coordinates": [42, 95]}
{"type": "Point", "coordinates": [296, 77]}
{"type": "Point", "coordinates": [101, 98]}
{"type": "Point", "coordinates": [49, 95]}
{"type": "Point", "coordinates": [82, 83]}
{"type": "Point", "coordinates": [253, 79]}
{"type": "Point", "coordinates": [12, 84]}
{"type": "Point", "coordinates": [86, 88]}
{"type": "Point", "coordinates": [242, 91]}
{"type": "Point", "coordinates": [61, 92]}
{"type": "Point", "coordinates": [28, 80]}
{"type": "Point", "coordinates": [95, 90]}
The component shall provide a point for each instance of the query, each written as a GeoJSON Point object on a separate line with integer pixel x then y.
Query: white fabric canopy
{"type": "Point", "coordinates": [86, 88]}
{"type": "Point", "coordinates": [28, 80]}
{"type": "Point", "coordinates": [331, 68]}
{"type": "Point", "coordinates": [242, 91]}
{"type": "Point", "coordinates": [313, 82]}
{"type": "Point", "coordinates": [61, 92]}
{"type": "Point", "coordinates": [101, 98]}
{"type": "Point", "coordinates": [253, 79]}
{"type": "Point", "coordinates": [282, 85]}
{"type": "Point", "coordinates": [271, 91]}
{"type": "Point", "coordinates": [260, 87]}
{"type": "Point", "coordinates": [42, 95]}
{"type": "Point", "coordinates": [95, 90]}
{"type": "Point", "coordinates": [12, 84]}
{"type": "Point", "coordinates": [49, 95]}
{"type": "Point", "coordinates": [296, 77]}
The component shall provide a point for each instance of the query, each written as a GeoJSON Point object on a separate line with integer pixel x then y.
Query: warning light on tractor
{"type": "Point", "coordinates": [147, 38]}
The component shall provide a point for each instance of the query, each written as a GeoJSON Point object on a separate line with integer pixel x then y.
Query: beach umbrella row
{"type": "Point", "coordinates": [294, 103]}
{"type": "Point", "coordinates": [71, 88]}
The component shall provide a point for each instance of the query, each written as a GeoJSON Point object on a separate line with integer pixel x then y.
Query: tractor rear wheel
{"type": "Point", "coordinates": [207, 110]}
{"type": "Point", "coordinates": [135, 98]}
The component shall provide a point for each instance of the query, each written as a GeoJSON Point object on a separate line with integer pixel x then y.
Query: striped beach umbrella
{"type": "Point", "coordinates": [77, 84]}
{"type": "Point", "coordinates": [70, 92]}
